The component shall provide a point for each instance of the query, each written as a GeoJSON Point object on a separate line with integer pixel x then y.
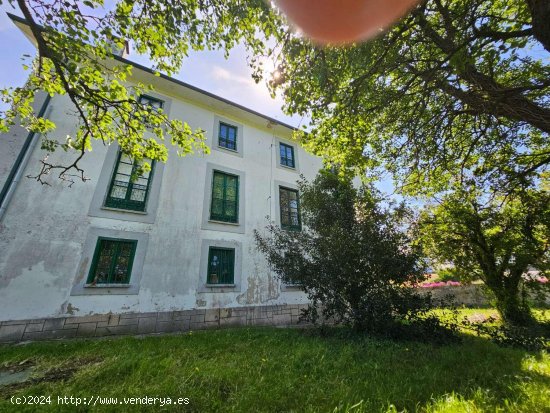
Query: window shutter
{"type": "Point", "coordinates": [225, 197]}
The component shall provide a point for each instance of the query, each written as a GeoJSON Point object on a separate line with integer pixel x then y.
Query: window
{"type": "Point", "coordinates": [128, 190]}
{"type": "Point", "coordinates": [228, 136]}
{"type": "Point", "coordinates": [287, 155]}
{"type": "Point", "coordinates": [112, 262]}
{"type": "Point", "coordinates": [225, 197]}
{"type": "Point", "coordinates": [291, 258]}
{"type": "Point", "coordinates": [151, 102]}
{"type": "Point", "coordinates": [221, 265]}
{"type": "Point", "coordinates": [290, 209]}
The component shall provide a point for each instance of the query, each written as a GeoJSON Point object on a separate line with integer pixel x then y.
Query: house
{"type": "Point", "coordinates": [171, 251]}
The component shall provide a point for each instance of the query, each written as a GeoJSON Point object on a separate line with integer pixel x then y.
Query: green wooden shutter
{"type": "Point", "coordinates": [225, 197]}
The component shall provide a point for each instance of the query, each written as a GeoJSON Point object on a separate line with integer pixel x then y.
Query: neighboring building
{"type": "Point", "coordinates": [178, 238]}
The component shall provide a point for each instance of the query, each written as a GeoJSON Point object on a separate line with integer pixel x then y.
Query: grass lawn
{"type": "Point", "coordinates": [275, 370]}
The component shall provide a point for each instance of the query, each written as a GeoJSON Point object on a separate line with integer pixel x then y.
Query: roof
{"type": "Point", "coordinates": [186, 89]}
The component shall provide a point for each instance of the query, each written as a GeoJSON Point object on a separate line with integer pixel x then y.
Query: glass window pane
{"type": "Point", "coordinates": [125, 192]}
{"type": "Point", "coordinates": [119, 190]}
{"type": "Point", "coordinates": [287, 155]}
{"type": "Point", "coordinates": [228, 136]}
{"type": "Point", "coordinates": [112, 262]}
{"type": "Point", "coordinates": [138, 193]}
{"type": "Point", "coordinates": [150, 101]}
{"type": "Point", "coordinates": [290, 208]}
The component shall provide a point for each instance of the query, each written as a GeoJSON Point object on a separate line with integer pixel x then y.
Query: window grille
{"type": "Point", "coordinates": [221, 265]}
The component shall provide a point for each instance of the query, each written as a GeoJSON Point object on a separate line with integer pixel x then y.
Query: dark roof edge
{"type": "Point", "coordinates": [19, 19]}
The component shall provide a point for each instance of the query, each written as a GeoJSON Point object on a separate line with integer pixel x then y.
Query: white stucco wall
{"type": "Point", "coordinates": [44, 231]}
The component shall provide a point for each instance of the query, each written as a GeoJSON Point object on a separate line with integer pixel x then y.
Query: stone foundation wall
{"type": "Point", "coordinates": [147, 323]}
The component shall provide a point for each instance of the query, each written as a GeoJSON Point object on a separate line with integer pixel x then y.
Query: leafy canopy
{"type": "Point", "coordinates": [497, 240]}
{"type": "Point", "coordinates": [457, 92]}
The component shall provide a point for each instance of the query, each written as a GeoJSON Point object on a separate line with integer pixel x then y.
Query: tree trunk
{"type": "Point", "coordinates": [510, 304]}
{"type": "Point", "coordinates": [540, 14]}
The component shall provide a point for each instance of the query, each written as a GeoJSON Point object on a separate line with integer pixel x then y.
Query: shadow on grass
{"type": "Point", "coordinates": [269, 370]}
{"type": "Point", "coordinates": [412, 374]}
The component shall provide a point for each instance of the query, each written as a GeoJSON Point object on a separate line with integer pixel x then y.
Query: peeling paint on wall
{"type": "Point", "coordinates": [260, 290]}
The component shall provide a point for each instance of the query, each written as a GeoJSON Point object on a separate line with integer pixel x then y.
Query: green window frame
{"type": "Point", "coordinates": [112, 261]}
{"type": "Point", "coordinates": [151, 102]}
{"type": "Point", "coordinates": [128, 190]}
{"type": "Point", "coordinates": [287, 155]}
{"type": "Point", "coordinates": [289, 206]}
{"type": "Point", "coordinates": [224, 205]}
{"type": "Point", "coordinates": [221, 266]}
{"type": "Point", "coordinates": [227, 136]}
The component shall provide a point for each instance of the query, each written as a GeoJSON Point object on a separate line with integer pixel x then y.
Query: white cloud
{"type": "Point", "coordinates": [219, 73]}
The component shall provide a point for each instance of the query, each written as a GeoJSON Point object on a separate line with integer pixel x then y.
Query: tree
{"type": "Point", "coordinates": [453, 90]}
{"type": "Point", "coordinates": [75, 40]}
{"type": "Point", "coordinates": [457, 91]}
{"type": "Point", "coordinates": [496, 240]}
{"type": "Point", "coordinates": [352, 256]}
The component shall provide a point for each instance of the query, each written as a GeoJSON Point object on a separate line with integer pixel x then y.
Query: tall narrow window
{"type": "Point", "coordinates": [225, 197]}
{"type": "Point", "coordinates": [227, 137]}
{"type": "Point", "coordinates": [129, 190]}
{"type": "Point", "coordinates": [290, 209]}
{"type": "Point", "coordinates": [221, 265]}
{"type": "Point", "coordinates": [112, 262]}
{"type": "Point", "coordinates": [287, 155]}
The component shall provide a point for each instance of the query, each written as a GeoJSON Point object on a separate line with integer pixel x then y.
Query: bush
{"type": "Point", "coordinates": [352, 257]}
{"type": "Point", "coordinates": [447, 275]}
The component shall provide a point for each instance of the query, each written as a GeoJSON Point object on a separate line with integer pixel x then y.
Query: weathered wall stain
{"type": "Point", "coordinates": [262, 286]}
{"type": "Point", "coordinates": [68, 308]}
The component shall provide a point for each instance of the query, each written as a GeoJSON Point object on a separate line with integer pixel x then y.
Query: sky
{"type": "Point", "coordinates": [208, 70]}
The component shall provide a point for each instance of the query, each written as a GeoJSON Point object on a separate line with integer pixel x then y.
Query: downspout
{"type": "Point", "coordinates": [19, 165]}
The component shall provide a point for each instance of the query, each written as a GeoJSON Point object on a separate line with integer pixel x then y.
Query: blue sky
{"type": "Point", "coordinates": [208, 70]}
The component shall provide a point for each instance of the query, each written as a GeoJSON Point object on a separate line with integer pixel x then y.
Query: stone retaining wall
{"type": "Point", "coordinates": [471, 295]}
{"type": "Point", "coordinates": [468, 295]}
{"type": "Point", "coordinates": [147, 323]}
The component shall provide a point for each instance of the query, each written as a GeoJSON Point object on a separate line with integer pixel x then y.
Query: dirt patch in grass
{"type": "Point", "coordinates": [483, 318]}
{"type": "Point", "coordinates": [56, 374]}
{"type": "Point", "coordinates": [17, 367]}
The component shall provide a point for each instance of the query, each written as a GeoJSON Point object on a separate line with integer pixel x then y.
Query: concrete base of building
{"type": "Point", "coordinates": [101, 325]}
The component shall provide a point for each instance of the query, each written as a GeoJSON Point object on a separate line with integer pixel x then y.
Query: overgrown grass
{"type": "Point", "coordinates": [276, 370]}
